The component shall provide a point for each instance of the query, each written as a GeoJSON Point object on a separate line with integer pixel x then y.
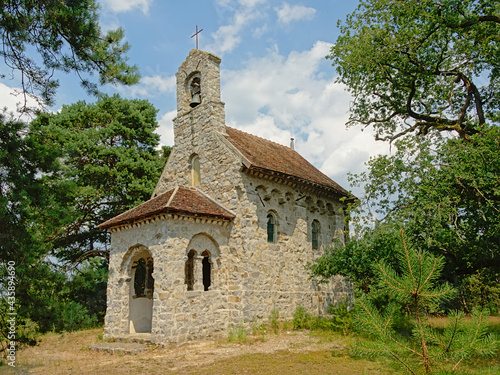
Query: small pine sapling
{"type": "Point", "coordinates": [423, 347]}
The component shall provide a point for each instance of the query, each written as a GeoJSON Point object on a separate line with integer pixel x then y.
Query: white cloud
{"type": "Point", "coordinates": [160, 84]}
{"type": "Point", "coordinates": [289, 13]}
{"type": "Point", "coordinates": [166, 128]}
{"type": "Point", "coordinates": [12, 99]}
{"type": "Point", "coordinates": [150, 86]}
{"type": "Point", "coordinates": [278, 97]}
{"type": "Point", "coordinates": [120, 6]}
{"type": "Point", "coordinates": [251, 3]}
{"type": "Point", "coordinates": [227, 37]}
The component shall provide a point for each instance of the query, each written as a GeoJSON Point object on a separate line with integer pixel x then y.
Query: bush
{"type": "Point", "coordinates": [341, 319]}
{"type": "Point", "coordinates": [301, 318]}
{"type": "Point", "coordinates": [482, 289]}
{"type": "Point", "coordinates": [274, 320]}
{"type": "Point", "coordinates": [72, 316]}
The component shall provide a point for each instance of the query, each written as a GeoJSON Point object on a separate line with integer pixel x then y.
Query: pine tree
{"type": "Point", "coordinates": [420, 346]}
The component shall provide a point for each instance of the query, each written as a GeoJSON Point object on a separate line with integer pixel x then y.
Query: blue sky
{"type": "Point", "coordinates": [275, 80]}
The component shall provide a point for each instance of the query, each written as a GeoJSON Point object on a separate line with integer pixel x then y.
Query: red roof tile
{"type": "Point", "coordinates": [180, 200]}
{"type": "Point", "coordinates": [267, 155]}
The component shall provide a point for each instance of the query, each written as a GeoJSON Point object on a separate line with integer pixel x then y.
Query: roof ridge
{"type": "Point", "coordinates": [213, 200]}
{"type": "Point", "coordinates": [176, 189]}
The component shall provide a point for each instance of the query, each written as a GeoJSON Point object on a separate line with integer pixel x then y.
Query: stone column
{"type": "Point", "coordinates": [198, 273]}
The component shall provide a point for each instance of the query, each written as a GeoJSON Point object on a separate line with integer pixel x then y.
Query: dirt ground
{"type": "Point", "coordinates": [290, 352]}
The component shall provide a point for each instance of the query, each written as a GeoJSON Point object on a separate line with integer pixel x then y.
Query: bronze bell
{"type": "Point", "coordinates": [196, 100]}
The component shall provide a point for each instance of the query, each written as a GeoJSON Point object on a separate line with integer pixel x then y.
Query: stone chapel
{"type": "Point", "coordinates": [227, 233]}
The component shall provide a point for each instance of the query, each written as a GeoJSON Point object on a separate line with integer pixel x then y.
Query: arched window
{"type": "Point", "coordinates": [189, 270]}
{"type": "Point", "coordinates": [207, 270]}
{"type": "Point", "coordinates": [271, 228]}
{"type": "Point", "coordinates": [195, 171]}
{"type": "Point", "coordinates": [315, 234]}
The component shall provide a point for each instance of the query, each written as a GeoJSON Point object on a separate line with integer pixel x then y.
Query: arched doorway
{"type": "Point", "coordinates": [141, 288]}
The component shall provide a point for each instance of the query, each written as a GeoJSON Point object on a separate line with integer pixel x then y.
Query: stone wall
{"type": "Point", "coordinates": [178, 315]}
{"type": "Point", "coordinates": [250, 276]}
{"type": "Point", "coordinates": [271, 276]}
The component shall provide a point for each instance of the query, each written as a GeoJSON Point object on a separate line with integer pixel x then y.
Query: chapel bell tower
{"type": "Point", "coordinates": [198, 94]}
{"type": "Point", "coordinates": [198, 81]}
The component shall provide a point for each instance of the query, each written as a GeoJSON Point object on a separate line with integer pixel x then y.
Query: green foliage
{"type": "Point", "coordinates": [26, 331]}
{"type": "Point", "coordinates": [416, 284]}
{"type": "Point", "coordinates": [274, 320]}
{"type": "Point", "coordinates": [301, 318]}
{"type": "Point", "coordinates": [422, 347]}
{"type": "Point", "coordinates": [87, 287]}
{"type": "Point", "coordinates": [355, 259]}
{"type": "Point", "coordinates": [41, 37]}
{"type": "Point", "coordinates": [340, 319]}
{"type": "Point", "coordinates": [71, 316]}
{"type": "Point", "coordinates": [62, 175]}
{"type": "Point", "coordinates": [426, 76]}
{"type": "Point", "coordinates": [446, 193]}
{"type": "Point", "coordinates": [420, 65]}
{"type": "Point", "coordinates": [22, 193]}
{"type": "Point", "coordinates": [108, 163]}
{"type": "Point", "coordinates": [47, 299]}
{"type": "Point", "coordinates": [481, 289]}
{"type": "Point", "coordinates": [237, 333]}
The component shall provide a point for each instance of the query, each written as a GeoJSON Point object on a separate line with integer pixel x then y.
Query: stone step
{"type": "Point", "coordinates": [119, 347]}
{"type": "Point", "coordinates": [135, 337]}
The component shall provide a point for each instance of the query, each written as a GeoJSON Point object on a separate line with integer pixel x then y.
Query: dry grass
{"type": "Point", "coordinates": [288, 352]}
{"type": "Point", "coordinates": [295, 352]}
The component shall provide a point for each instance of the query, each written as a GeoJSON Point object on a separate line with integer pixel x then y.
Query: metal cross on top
{"type": "Point", "coordinates": [196, 35]}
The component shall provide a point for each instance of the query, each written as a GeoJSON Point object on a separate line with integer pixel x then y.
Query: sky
{"type": "Point", "coordinates": [275, 80]}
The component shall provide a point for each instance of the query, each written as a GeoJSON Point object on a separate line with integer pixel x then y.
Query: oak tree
{"type": "Point", "coordinates": [413, 66]}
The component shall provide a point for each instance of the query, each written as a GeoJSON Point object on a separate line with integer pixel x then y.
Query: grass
{"type": "Point", "coordinates": [314, 352]}
{"type": "Point", "coordinates": [286, 362]}
{"type": "Point", "coordinates": [291, 352]}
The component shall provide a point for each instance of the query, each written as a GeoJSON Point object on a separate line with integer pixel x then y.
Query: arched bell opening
{"type": "Point", "coordinates": [195, 92]}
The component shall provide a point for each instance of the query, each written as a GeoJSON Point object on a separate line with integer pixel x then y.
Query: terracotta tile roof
{"type": "Point", "coordinates": [267, 155]}
{"type": "Point", "coordinates": [180, 200]}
